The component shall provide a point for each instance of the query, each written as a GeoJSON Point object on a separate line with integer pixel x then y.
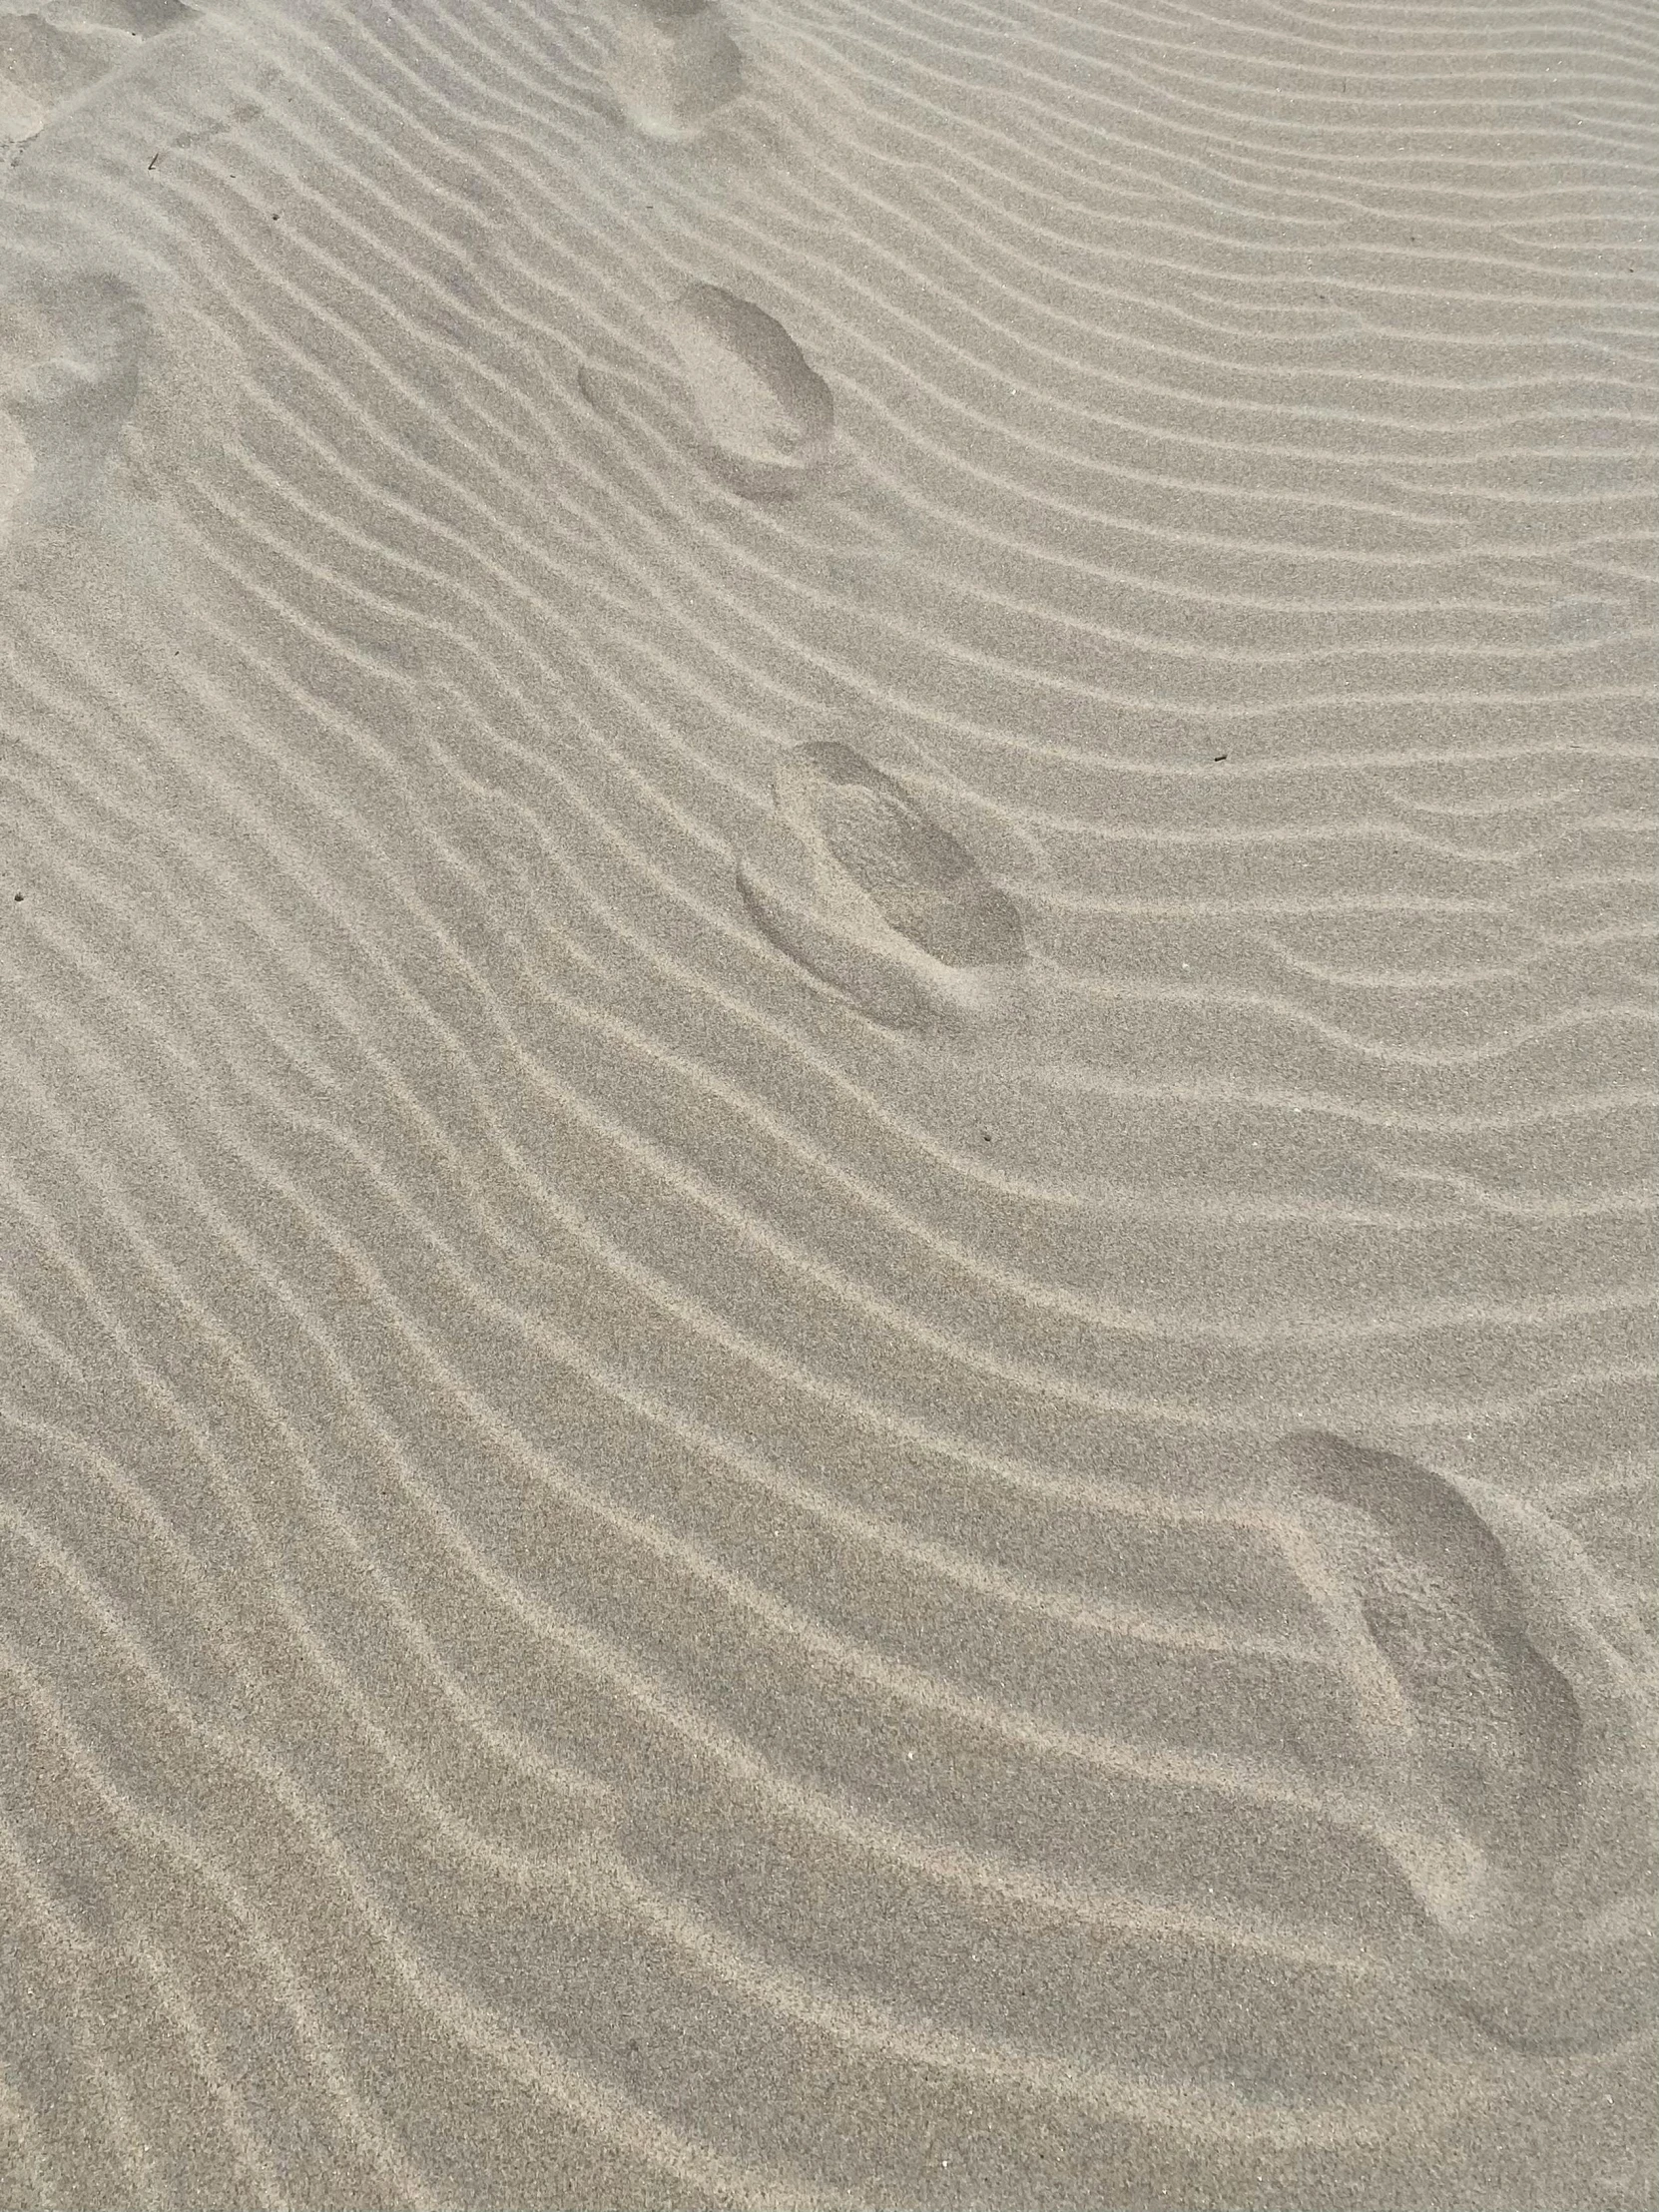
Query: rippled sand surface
{"type": "Point", "coordinates": [826, 1104]}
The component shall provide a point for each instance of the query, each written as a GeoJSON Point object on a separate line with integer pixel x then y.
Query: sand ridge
{"type": "Point", "coordinates": [826, 1125]}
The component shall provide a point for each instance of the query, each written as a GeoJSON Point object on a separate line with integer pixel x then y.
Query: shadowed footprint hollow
{"type": "Point", "coordinates": [1519, 1731]}
{"type": "Point", "coordinates": [865, 889]}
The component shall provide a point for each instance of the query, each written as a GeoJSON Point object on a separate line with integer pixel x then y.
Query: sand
{"type": "Point", "coordinates": [826, 1079]}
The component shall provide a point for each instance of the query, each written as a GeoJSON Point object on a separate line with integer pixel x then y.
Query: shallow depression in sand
{"type": "Point", "coordinates": [674, 63]}
{"type": "Point", "coordinates": [1527, 1728]}
{"type": "Point", "coordinates": [766, 409]}
{"type": "Point", "coordinates": [72, 357]}
{"type": "Point", "coordinates": [856, 881]}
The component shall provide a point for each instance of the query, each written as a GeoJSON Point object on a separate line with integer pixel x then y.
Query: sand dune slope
{"type": "Point", "coordinates": [827, 1078]}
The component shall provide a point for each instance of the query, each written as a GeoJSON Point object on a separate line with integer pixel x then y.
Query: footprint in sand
{"type": "Point", "coordinates": [853, 880]}
{"type": "Point", "coordinates": [51, 53]}
{"type": "Point", "coordinates": [766, 410]}
{"type": "Point", "coordinates": [40, 67]}
{"type": "Point", "coordinates": [1511, 1704]}
{"type": "Point", "coordinates": [71, 352]}
{"type": "Point", "coordinates": [673, 65]}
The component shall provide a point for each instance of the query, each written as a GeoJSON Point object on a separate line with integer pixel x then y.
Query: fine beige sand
{"type": "Point", "coordinates": [826, 1104]}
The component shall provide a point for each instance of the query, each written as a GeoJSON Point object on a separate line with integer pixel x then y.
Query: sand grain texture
{"type": "Point", "coordinates": [826, 1079]}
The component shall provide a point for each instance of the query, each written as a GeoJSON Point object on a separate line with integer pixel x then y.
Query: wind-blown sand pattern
{"type": "Point", "coordinates": [827, 1078]}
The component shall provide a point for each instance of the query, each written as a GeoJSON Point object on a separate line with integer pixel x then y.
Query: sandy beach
{"type": "Point", "coordinates": [827, 1105]}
